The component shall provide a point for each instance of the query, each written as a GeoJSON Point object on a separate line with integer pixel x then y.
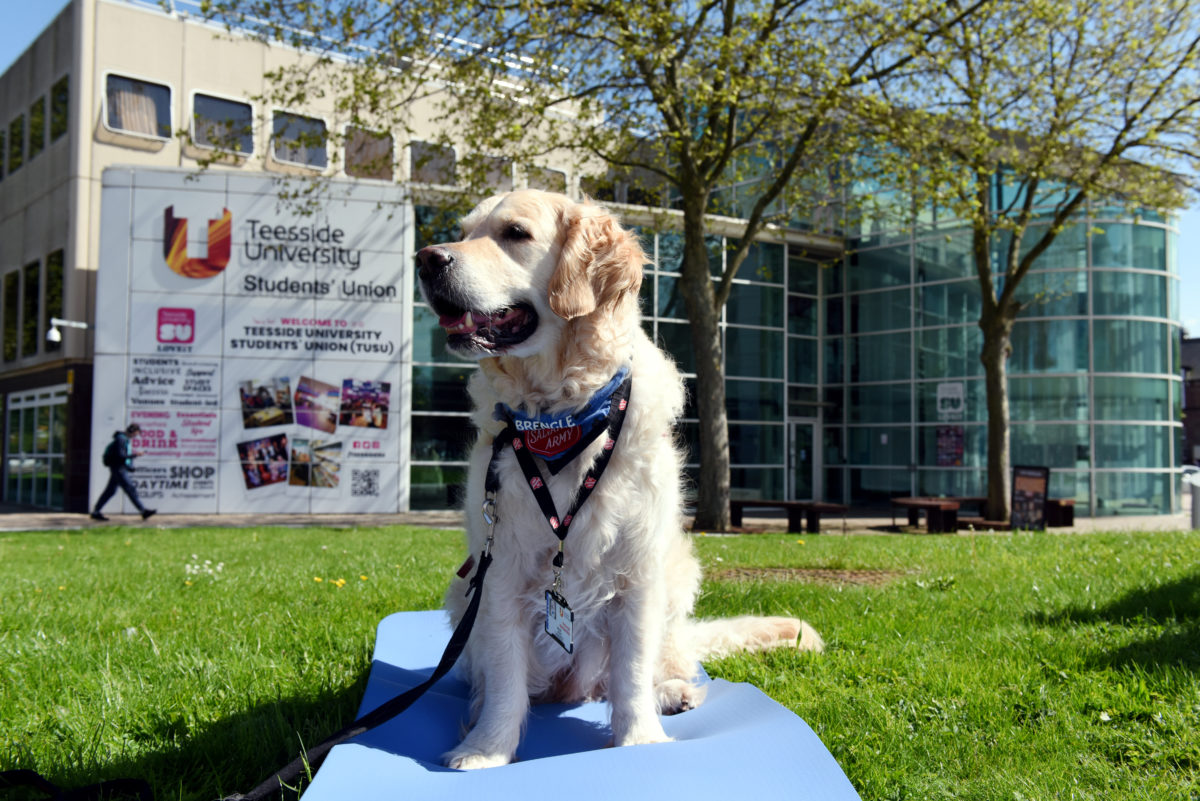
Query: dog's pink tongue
{"type": "Point", "coordinates": [446, 321]}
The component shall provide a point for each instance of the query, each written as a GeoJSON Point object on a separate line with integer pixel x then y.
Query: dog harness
{"type": "Point", "coordinates": [558, 439]}
{"type": "Point", "coordinates": [605, 412]}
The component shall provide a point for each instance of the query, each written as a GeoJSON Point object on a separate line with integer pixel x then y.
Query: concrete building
{"type": "Point", "coordinates": [851, 382]}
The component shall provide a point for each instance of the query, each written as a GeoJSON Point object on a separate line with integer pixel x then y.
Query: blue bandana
{"type": "Point", "coordinates": [559, 438]}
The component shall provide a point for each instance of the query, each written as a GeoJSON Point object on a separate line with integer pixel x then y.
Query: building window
{"type": "Point", "coordinates": [30, 296]}
{"type": "Point", "coordinates": [16, 144]}
{"type": "Point", "coordinates": [432, 163]}
{"type": "Point", "coordinates": [12, 314]}
{"type": "Point", "coordinates": [138, 107]}
{"type": "Point", "coordinates": [498, 172]}
{"type": "Point", "coordinates": [368, 154]}
{"type": "Point", "coordinates": [547, 179]}
{"type": "Point", "coordinates": [36, 448]}
{"type": "Point", "coordinates": [37, 127]}
{"type": "Point", "coordinates": [60, 98]}
{"type": "Point", "coordinates": [222, 124]}
{"type": "Point", "coordinates": [54, 293]}
{"type": "Point", "coordinates": [299, 140]}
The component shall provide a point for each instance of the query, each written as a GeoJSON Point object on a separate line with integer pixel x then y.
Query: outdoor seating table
{"type": "Point", "coordinates": [941, 514]}
{"type": "Point", "coordinates": [809, 511]}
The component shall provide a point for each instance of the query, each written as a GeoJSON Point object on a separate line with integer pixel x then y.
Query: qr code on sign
{"type": "Point", "coordinates": [364, 483]}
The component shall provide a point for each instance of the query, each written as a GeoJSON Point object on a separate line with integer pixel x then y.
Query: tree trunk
{"type": "Point", "coordinates": [712, 499]}
{"type": "Point", "coordinates": [997, 336]}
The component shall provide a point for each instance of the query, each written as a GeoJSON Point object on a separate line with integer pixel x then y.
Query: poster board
{"type": "Point", "coordinates": [262, 349]}
{"type": "Point", "coordinates": [1030, 487]}
{"type": "Point", "coordinates": [950, 445]}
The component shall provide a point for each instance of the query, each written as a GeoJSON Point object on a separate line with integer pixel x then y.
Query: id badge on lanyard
{"type": "Point", "coordinates": [560, 621]}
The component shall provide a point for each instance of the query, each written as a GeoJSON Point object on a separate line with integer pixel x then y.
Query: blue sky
{"type": "Point", "coordinates": [24, 20]}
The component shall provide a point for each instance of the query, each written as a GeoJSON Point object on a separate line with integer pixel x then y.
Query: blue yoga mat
{"type": "Point", "coordinates": [737, 744]}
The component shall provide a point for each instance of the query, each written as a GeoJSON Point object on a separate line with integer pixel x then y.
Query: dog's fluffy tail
{"type": "Point", "coordinates": [723, 636]}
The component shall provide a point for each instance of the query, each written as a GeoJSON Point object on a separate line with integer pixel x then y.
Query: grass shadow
{"type": "Point", "coordinates": [227, 756]}
{"type": "Point", "coordinates": [1172, 608]}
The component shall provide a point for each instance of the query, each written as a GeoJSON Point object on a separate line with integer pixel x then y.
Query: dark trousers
{"type": "Point", "coordinates": [119, 477]}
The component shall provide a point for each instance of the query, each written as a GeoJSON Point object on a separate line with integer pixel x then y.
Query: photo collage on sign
{"type": "Point", "coordinates": [303, 460]}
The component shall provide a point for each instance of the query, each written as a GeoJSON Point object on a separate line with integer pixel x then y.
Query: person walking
{"type": "Point", "coordinates": [118, 458]}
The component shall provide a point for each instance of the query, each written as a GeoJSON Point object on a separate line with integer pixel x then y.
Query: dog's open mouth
{"type": "Point", "coordinates": [491, 331]}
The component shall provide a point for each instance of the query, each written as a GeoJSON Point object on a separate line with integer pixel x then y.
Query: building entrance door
{"type": "Point", "coordinates": [803, 471]}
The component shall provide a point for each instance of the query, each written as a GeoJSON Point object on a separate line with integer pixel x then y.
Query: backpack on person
{"type": "Point", "coordinates": [113, 456]}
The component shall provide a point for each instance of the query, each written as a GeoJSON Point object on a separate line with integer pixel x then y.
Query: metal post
{"type": "Point", "coordinates": [1195, 485]}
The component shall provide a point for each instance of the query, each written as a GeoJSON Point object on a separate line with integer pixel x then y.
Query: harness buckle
{"type": "Point", "coordinates": [490, 517]}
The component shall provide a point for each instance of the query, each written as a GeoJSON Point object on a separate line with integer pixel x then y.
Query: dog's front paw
{"type": "Point", "coordinates": [640, 734]}
{"type": "Point", "coordinates": [678, 695]}
{"type": "Point", "coordinates": [463, 758]}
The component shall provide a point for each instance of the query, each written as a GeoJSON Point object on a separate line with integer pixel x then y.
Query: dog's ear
{"type": "Point", "coordinates": [600, 263]}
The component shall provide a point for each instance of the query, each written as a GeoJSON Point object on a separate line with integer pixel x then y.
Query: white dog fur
{"type": "Point", "coordinates": [629, 572]}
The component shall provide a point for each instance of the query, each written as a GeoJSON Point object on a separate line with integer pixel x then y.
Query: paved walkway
{"type": "Point", "coordinates": [876, 522]}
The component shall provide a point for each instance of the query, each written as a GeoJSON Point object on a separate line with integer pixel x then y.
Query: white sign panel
{"type": "Point", "coordinates": [259, 348]}
{"type": "Point", "coordinates": [951, 401]}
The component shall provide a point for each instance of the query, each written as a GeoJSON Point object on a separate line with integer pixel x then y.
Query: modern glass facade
{"type": "Point", "coordinates": [1093, 375]}
{"type": "Point", "coordinates": [837, 375]}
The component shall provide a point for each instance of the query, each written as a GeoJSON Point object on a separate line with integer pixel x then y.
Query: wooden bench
{"type": "Point", "coordinates": [810, 511]}
{"type": "Point", "coordinates": [979, 522]}
{"type": "Point", "coordinates": [941, 514]}
{"type": "Point", "coordinates": [1060, 513]}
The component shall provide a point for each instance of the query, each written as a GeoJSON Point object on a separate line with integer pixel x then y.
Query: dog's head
{"type": "Point", "coordinates": [528, 264]}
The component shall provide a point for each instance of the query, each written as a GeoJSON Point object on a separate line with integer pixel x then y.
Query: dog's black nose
{"type": "Point", "coordinates": [433, 260]}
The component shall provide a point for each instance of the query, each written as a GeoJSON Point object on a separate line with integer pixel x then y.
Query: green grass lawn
{"type": "Point", "coordinates": [1026, 666]}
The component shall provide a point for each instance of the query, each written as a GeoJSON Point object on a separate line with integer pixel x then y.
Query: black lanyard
{"type": "Point", "coordinates": [533, 476]}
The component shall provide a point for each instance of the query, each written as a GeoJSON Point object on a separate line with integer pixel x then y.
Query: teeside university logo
{"type": "Point", "coordinates": [220, 239]}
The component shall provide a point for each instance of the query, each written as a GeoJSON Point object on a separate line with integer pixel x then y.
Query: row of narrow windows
{"type": "Point", "coordinates": [29, 297]}
{"type": "Point", "coordinates": [28, 133]}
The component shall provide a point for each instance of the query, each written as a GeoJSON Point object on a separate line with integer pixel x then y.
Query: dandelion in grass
{"type": "Point", "coordinates": [200, 568]}
{"type": "Point", "coordinates": [318, 579]}
{"type": "Point", "coordinates": [362, 578]}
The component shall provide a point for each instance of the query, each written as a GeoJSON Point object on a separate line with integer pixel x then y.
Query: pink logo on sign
{"type": "Point", "coordinates": [176, 326]}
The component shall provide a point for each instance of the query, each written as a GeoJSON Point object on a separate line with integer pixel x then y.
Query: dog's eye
{"type": "Point", "coordinates": [516, 233]}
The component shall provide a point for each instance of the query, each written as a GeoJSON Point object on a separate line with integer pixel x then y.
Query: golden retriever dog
{"type": "Point", "coordinates": [543, 292]}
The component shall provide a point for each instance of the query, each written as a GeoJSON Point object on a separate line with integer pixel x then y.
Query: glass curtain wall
{"type": "Point", "coordinates": [1092, 373]}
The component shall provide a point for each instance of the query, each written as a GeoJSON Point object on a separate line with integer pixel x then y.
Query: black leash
{"type": "Point", "coordinates": [290, 773]}
{"type": "Point", "coordinates": [386, 711]}
{"type": "Point", "coordinates": [312, 759]}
